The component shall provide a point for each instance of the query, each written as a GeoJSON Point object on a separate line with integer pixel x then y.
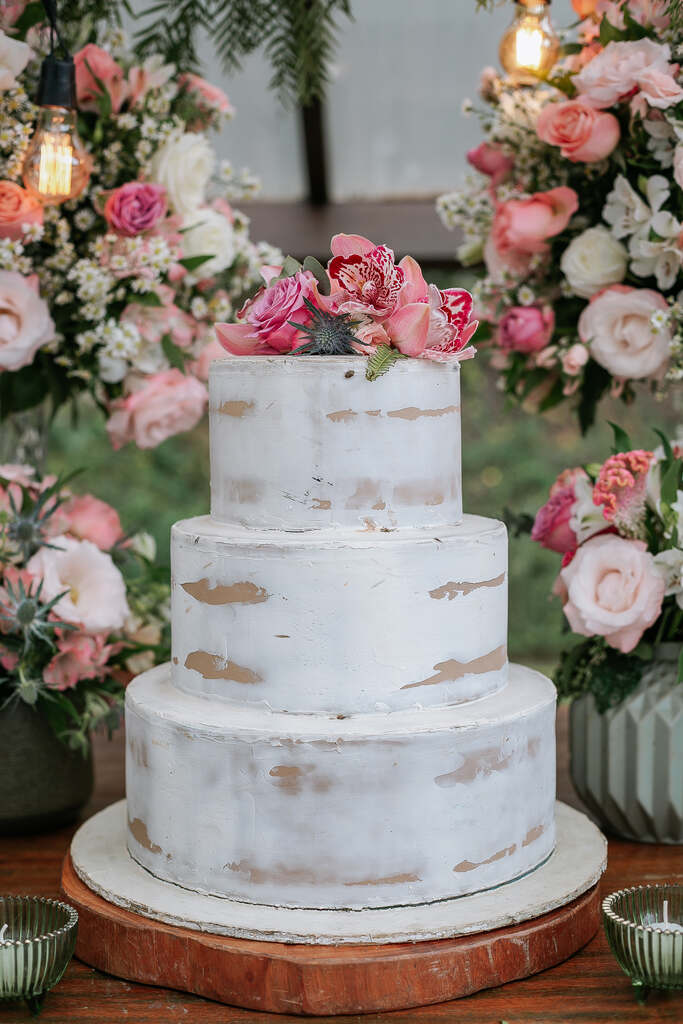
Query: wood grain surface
{"type": "Point", "coordinates": [588, 988]}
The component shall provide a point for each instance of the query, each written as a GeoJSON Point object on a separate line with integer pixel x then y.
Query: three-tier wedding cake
{"type": "Point", "coordinates": [339, 727]}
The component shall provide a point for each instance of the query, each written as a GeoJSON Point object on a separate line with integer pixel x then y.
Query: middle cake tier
{"type": "Point", "coordinates": [341, 622]}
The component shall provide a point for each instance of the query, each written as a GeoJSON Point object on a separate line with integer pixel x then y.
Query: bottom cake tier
{"type": "Point", "coordinates": [312, 811]}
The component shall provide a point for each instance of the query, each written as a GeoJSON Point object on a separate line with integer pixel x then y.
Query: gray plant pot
{"type": "Point", "coordinates": [627, 764]}
{"type": "Point", "coordinates": [43, 785]}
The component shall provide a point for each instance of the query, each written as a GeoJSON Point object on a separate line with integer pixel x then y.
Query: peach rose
{"type": "Point", "coordinates": [525, 225]}
{"type": "Point", "coordinates": [582, 133]}
{"type": "Point", "coordinates": [88, 518]}
{"type": "Point", "coordinates": [93, 63]}
{"type": "Point", "coordinates": [18, 208]}
{"type": "Point", "coordinates": [613, 590]}
{"type": "Point", "coordinates": [585, 8]}
{"type": "Point", "coordinates": [164, 404]}
{"type": "Point", "coordinates": [25, 321]}
{"type": "Point", "coordinates": [617, 327]}
{"type": "Point", "coordinates": [615, 73]}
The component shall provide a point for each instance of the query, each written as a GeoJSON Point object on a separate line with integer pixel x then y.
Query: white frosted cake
{"type": "Point", "coordinates": [339, 727]}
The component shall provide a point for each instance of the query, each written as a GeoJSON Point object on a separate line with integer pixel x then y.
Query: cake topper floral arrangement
{"type": "Point", "coordinates": [363, 303]}
{"type": "Point", "coordinates": [82, 606]}
{"type": "Point", "coordinates": [576, 210]}
{"type": "Point", "coordinates": [619, 529]}
{"type": "Point", "coordinates": [115, 292]}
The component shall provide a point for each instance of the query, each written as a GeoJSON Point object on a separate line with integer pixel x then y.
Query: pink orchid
{"type": "Point", "coordinates": [364, 277]}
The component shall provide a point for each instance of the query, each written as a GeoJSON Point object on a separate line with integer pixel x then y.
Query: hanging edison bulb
{"type": "Point", "coordinates": [57, 165]}
{"type": "Point", "coordinates": [529, 48]}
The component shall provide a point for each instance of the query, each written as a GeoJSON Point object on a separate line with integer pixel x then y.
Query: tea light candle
{"type": "Point", "coordinates": [3, 932]}
{"type": "Point", "coordinates": [648, 945]}
{"type": "Point", "coordinates": [664, 925]}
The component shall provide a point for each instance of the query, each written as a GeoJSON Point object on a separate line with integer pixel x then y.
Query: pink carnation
{"type": "Point", "coordinates": [162, 405]}
{"type": "Point", "coordinates": [526, 328]}
{"type": "Point", "coordinates": [79, 656]}
{"type": "Point", "coordinates": [621, 488]}
{"type": "Point", "coordinates": [88, 518]}
{"type": "Point", "coordinates": [135, 207]}
{"type": "Point", "coordinates": [94, 66]}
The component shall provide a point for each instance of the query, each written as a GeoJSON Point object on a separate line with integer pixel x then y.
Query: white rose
{"type": "Point", "coordinates": [95, 597]}
{"type": "Point", "coordinates": [617, 327]}
{"type": "Point", "coordinates": [209, 232]}
{"type": "Point", "coordinates": [14, 56]}
{"type": "Point", "coordinates": [184, 165]}
{"type": "Point", "coordinates": [593, 261]}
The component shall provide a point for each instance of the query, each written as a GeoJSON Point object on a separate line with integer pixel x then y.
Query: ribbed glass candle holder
{"type": "Point", "coordinates": [35, 946]}
{"type": "Point", "coordinates": [644, 927]}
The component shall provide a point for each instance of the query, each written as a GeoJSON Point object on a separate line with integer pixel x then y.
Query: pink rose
{"type": "Point", "coordinates": [206, 94]}
{"type": "Point", "coordinates": [364, 276]}
{"type": "Point", "coordinates": [492, 161]}
{"type": "Point", "coordinates": [153, 322]}
{"type": "Point", "coordinates": [18, 209]}
{"type": "Point", "coordinates": [152, 75]}
{"type": "Point", "coordinates": [264, 327]}
{"type": "Point", "coordinates": [583, 134]}
{"type": "Point", "coordinates": [11, 11]}
{"type": "Point", "coordinates": [551, 527]}
{"type": "Point", "coordinates": [617, 327]}
{"type": "Point", "coordinates": [162, 405]}
{"type": "Point", "coordinates": [88, 518]}
{"type": "Point", "coordinates": [508, 265]}
{"type": "Point", "coordinates": [213, 350]}
{"type": "Point", "coordinates": [94, 63]}
{"type": "Point", "coordinates": [526, 328]}
{"type": "Point", "coordinates": [585, 8]}
{"type": "Point", "coordinates": [25, 321]}
{"type": "Point", "coordinates": [613, 590]}
{"type": "Point", "coordinates": [615, 73]}
{"type": "Point", "coordinates": [574, 359]}
{"type": "Point", "coordinates": [79, 656]}
{"type": "Point", "coordinates": [135, 207]}
{"type": "Point", "coordinates": [660, 88]}
{"type": "Point", "coordinates": [525, 225]}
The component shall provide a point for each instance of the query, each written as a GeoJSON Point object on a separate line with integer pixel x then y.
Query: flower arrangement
{"type": "Point", "coordinates": [576, 212]}
{"type": "Point", "coordinates": [115, 292]}
{"type": "Point", "coordinates": [619, 529]}
{"type": "Point", "coordinates": [82, 606]}
{"type": "Point", "coordinates": [363, 303]}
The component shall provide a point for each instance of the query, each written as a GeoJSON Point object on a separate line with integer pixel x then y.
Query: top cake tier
{"type": "Point", "coordinates": [306, 442]}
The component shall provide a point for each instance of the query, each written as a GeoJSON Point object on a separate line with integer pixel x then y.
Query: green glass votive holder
{"type": "Point", "coordinates": [644, 927]}
{"type": "Point", "coordinates": [37, 940]}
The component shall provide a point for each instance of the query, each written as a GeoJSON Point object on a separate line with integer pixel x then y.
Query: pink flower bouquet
{"type": "Point", "coordinates": [619, 529]}
{"type": "Point", "coordinates": [116, 292]}
{"type": "Point", "coordinates": [575, 214]}
{"type": "Point", "coordinates": [81, 604]}
{"type": "Point", "coordinates": [363, 302]}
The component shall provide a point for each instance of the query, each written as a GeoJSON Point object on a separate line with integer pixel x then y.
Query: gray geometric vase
{"type": "Point", "coordinates": [627, 764]}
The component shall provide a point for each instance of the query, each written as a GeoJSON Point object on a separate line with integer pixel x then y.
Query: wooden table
{"type": "Point", "coordinates": [588, 988]}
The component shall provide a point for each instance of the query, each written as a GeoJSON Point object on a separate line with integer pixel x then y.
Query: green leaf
{"type": "Point", "coordinates": [622, 442]}
{"type": "Point", "coordinates": [609, 33]}
{"type": "Point", "coordinates": [680, 667]}
{"type": "Point", "coordinates": [319, 273]}
{"type": "Point", "coordinates": [32, 15]}
{"type": "Point", "coordinates": [175, 355]}
{"type": "Point", "coordinates": [147, 299]}
{"type": "Point", "coordinates": [290, 267]}
{"type": "Point", "coordinates": [103, 99]}
{"type": "Point", "coordinates": [192, 262]}
{"type": "Point", "coordinates": [381, 361]}
{"type": "Point", "coordinates": [670, 481]}
{"type": "Point", "coordinates": [666, 444]}
{"type": "Point", "coordinates": [596, 381]}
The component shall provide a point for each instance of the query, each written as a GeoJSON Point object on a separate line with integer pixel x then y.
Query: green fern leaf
{"type": "Point", "coordinates": [381, 361]}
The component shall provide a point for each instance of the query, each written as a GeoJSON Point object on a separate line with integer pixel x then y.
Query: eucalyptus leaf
{"type": "Point", "coordinates": [290, 267]}
{"type": "Point", "coordinates": [319, 273]}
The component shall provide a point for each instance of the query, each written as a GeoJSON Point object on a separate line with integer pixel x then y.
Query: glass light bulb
{"type": "Point", "coordinates": [57, 165]}
{"type": "Point", "coordinates": [529, 48]}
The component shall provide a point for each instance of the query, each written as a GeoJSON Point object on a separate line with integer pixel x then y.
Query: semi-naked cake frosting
{"type": "Point", "coordinates": [339, 726]}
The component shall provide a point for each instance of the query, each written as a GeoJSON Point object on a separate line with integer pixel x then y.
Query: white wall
{"type": "Point", "coordinates": [395, 128]}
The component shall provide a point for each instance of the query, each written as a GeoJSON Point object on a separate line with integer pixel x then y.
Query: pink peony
{"type": "Point", "coordinates": [492, 161]}
{"type": "Point", "coordinates": [18, 210]}
{"type": "Point", "coordinates": [93, 63]}
{"type": "Point", "coordinates": [617, 327]}
{"type": "Point", "coordinates": [79, 656]}
{"type": "Point", "coordinates": [206, 94]}
{"type": "Point", "coordinates": [526, 328]}
{"type": "Point", "coordinates": [162, 405]}
{"type": "Point", "coordinates": [551, 527]}
{"type": "Point", "coordinates": [264, 327]}
{"type": "Point", "coordinates": [615, 73]}
{"type": "Point", "coordinates": [364, 277]}
{"type": "Point", "coordinates": [613, 590]}
{"type": "Point", "coordinates": [621, 488]}
{"type": "Point", "coordinates": [88, 518]}
{"type": "Point", "coordinates": [25, 321]}
{"type": "Point", "coordinates": [525, 225]}
{"type": "Point", "coordinates": [582, 133]}
{"type": "Point", "coordinates": [135, 207]}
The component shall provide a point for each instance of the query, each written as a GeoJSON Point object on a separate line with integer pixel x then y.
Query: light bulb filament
{"type": "Point", "coordinates": [56, 161]}
{"type": "Point", "coordinates": [529, 48]}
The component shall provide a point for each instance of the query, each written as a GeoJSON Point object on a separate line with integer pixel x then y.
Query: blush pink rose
{"type": "Point", "coordinates": [582, 133]}
{"type": "Point", "coordinates": [162, 405]}
{"type": "Point", "coordinates": [92, 63]}
{"type": "Point", "coordinates": [660, 88]}
{"type": "Point", "coordinates": [264, 327]}
{"type": "Point", "coordinates": [613, 590]}
{"type": "Point", "coordinates": [88, 518]}
{"type": "Point", "coordinates": [135, 207]}
{"type": "Point", "coordinates": [79, 656]}
{"type": "Point", "coordinates": [25, 321]}
{"type": "Point", "coordinates": [551, 527]}
{"type": "Point", "coordinates": [526, 328]}
{"type": "Point", "coordinates": [207, 94]}
{"type": "Point", "coordinates": [574, 359]}
{"type": "Point", "coordinates": [502, 267]}
{"type": "Point", "coordinates": [617, 327]}
{"type": "Point", "coordinates": [153, 322]}
{"type": "Point", "coordinates": [525, 225]}
{"type": "Point", "coordinates": [18, 209]}
{"type": "Point", "coordinates": [615, 73]}
{"type": "Point", "coordinates": [492, 161]}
